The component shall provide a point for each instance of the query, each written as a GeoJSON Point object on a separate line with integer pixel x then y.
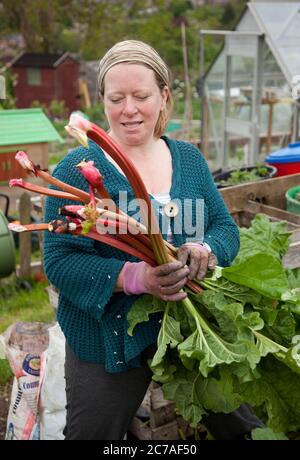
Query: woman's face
{"type": "Point", "coordinates": [132, 103]}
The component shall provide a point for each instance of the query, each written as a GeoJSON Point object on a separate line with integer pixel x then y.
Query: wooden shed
{"type": "Point", "coordinates": [23, 129]}
{"type": "Point", "coordinates": [45, 77]}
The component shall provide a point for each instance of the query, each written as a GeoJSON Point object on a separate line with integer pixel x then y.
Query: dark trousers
{"type": "Point", "coordinates": [101, 405]}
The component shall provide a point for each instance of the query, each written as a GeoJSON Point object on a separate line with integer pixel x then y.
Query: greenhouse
{"type": "Point", "coordinates": [247, 105]}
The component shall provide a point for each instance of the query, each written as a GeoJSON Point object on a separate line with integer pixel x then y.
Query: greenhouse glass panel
{"type": "Point", "coordinates": [276, 99]}
{"type": "Point", "coordinates": [282, 24]}
{"type": "Point", "coordinates": [240, 105]}
{"type": "Point", "coordinates": [214, 92]}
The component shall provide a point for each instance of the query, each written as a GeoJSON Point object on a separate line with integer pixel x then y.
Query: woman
{"type": "Point", "coordinates": [106, 369]}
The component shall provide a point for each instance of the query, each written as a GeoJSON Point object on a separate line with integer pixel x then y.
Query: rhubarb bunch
{"type": "Point", "coordinates": [97, 216]}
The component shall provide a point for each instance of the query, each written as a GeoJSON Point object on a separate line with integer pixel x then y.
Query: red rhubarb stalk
{"type": "Point", "coordinates": [112, 241]}
{"type": "Point", "coordinates": [125, 243]}
{"type": "Point", "coordinates": [26, 163]}
{"type": "Point", "coordinates": [16, 226]}
{"type": "Point", "coordinates": [43, 190]}
{"type": "Point", "coordinates": [78, 127]}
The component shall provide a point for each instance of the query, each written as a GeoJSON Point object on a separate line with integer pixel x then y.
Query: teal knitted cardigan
{"type": "Point", "coordinates": [91, 315]}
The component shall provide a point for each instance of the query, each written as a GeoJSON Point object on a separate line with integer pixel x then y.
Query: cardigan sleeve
{"type": "Point", "coordinates": [72, 264]}
{"type": "Point", "coordinates": [222, 233]}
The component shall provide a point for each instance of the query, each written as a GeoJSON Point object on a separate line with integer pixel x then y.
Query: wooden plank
{"type": "Point", "coordinates": [157, 399]}
{"type": "Point", "coordinates": [271, 211]}
{"type": "Point", "coordinates": [295, 236]}
{"type": "Point", "coordinates": [292, 258]}
{"type": "Point", "coordinates": [161, 410]}
{"type": "Point", "coordinates": [270, 192]}
{"type": "Point", "coordinates": [163, 415]}
{"type": "Point", "coordinates": [245, 218]}
{"type": "Point", "coordinates": [166, 432]}
{"type": "Point", "coordinates": [141, 431]}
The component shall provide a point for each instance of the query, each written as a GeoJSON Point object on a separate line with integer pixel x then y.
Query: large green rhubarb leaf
{"type": "Point", "coordinates": [267, 434]}
{"type": "Point", "coordinates": [182, 390]}
{"type": "Point", "coordinates": [277, 390]}
{"type": "Point", "coordinates": [261, 272]}
{"type": "Point", "coordinates": [169, 336]}
{"type": "Point", "coordinates": [263, 236]}
{"type": "Point", "coordinates": [206, 346]}
{"type": "Point", "coordinates": [141, 309]}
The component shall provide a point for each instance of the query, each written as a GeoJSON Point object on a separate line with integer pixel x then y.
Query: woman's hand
{"type": "Point", "coordinates": [164, 281]}
{"type": "Point", "coordinates": [198, 258]}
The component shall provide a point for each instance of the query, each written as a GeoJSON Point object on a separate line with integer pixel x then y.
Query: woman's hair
{"type": "Point", "coordinates": [137, 52]}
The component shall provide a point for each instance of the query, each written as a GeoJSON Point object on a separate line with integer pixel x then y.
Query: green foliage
{"type": "Point", "coordinates": [90, 27]}
{"type": "Point", "coordinates": [238, 341]}
{"type": "Point", "coordinates": [229, 14]}
{"type": "Point", "coordinates": [58, 109]}
{"type": "Point", "coordinates": [59, 125]}
{"type": "Point", "coordinates": [262, 237]}
{"type": "Point", "coordinates": [242, 176]}
{"type": "Point", "coordinates": [36, 104]}
{"type": "Point", "coordinates": [18, 304]}
{"type": "Point", "coordinates": [10, 82]}
{"type": "Point", "coordinates": [39, 22]}
{"type": "Point", "coordinates": [5, 372]}
{"type": "Point", "coordinates": [107, 24]}
{"type": "Point", "coordinates": [272, 281]}
{"type": "Point", "coordinates": [266, 434]}
{"type": "Point", "coordinates": [96, 114]}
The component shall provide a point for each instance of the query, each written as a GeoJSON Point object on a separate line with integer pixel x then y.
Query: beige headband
{"type": "Point", "coordinates": [132, 51]}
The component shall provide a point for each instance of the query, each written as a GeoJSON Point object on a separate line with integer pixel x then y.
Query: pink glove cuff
{"type": "Point", "coordinates": [133, 278]}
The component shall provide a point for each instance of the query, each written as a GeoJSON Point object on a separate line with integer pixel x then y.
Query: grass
{"type": "Point", "coordinates": [26, 305]}
{"type": "Point", "coordinates": [5, 374]}
{"type": "Point", "coordinates": [21, 305]}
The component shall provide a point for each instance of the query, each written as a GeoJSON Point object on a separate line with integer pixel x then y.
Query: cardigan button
{"type": "Point", "coordinates": [171, 209]}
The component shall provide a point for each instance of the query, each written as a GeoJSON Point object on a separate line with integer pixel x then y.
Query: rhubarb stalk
{"type": "Point", "coordinates": [43, 190]}
{"type": "Point", "coordinates": [81, 128]}
{"type": "Point", "coordinates": [26, 163]}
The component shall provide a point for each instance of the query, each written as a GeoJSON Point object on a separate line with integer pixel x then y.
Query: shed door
{"type": "Point", "coordinates": [9, 167]}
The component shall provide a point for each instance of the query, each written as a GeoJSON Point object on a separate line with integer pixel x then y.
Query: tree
{"type": "Point", "coordinates": [40, 22]}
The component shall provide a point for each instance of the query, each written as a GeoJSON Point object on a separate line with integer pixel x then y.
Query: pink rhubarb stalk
{"type": "Point", "coordinates": [43, 190]}
{"type": "Point", "coordinates": [81, 128]}
{"type": "Point", "coordinates": [122, 246]}
{"type": "Point", "coordinates": [26, 163]}
{"type": "Point", "coordinates": [16, 226]}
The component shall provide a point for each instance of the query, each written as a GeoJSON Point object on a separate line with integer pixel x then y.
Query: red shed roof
{"type": "Point", "coordinates": [40, 60]}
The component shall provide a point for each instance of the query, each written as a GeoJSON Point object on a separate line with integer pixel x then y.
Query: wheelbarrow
{"type": "Point", "coordinates": [9, 241]}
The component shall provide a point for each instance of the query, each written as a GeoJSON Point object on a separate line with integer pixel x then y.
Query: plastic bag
{"type": "Point", "coordinates": [24, 346]}
{"type": "Point", "coordinates": [52, 395]}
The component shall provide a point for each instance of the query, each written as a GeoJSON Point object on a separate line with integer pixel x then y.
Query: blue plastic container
{"type": "Point", "coordinates": [287, 160]}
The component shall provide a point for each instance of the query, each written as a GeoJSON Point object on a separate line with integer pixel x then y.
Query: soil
{"type": "Point", "coordinates": [5, 392]}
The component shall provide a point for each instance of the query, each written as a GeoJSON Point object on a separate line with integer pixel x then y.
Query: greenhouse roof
{"type": "Point", "coordinates": [280, 22]}
{"type": "Point", "coordinates": [26, 126]}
